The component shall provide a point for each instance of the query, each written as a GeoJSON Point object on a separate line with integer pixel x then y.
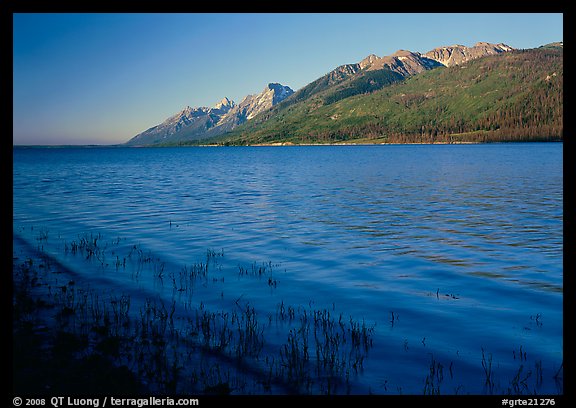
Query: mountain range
{"type": "Point", "coordinates": [315, 113]}
{"type": "Point", "coordinates": [203, 122]}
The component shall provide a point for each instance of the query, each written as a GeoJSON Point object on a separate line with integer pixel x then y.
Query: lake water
{"type": "Point", "coordinates": [450, 255]}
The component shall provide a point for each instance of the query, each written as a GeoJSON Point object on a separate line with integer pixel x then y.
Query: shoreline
{"type": "Point", "coordinates": [278, 144]}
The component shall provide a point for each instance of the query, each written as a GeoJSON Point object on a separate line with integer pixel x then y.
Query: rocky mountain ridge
{"type": "Point", "coordinates": [407, 63]}
{"type": "Point", "coordinates": [460, 54]}
{"type": "Point", "coordinates": [197, 123]}
{"type": "Point", "coordinates": [203, 122]}
{"type": "Point", "coordinates": [509, 96]}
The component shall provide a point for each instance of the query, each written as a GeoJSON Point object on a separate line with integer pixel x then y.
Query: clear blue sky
{"type": "Point", "coordinates": [103, 78]}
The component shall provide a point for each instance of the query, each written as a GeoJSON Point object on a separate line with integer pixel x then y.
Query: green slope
{"type": "Point", "coordinates": [511, 96]}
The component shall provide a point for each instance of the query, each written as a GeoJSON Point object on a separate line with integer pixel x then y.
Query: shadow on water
{"type": "Point", "coordinates": [172, 345]}
{"type": "Point", "coordinates": [169, 347]}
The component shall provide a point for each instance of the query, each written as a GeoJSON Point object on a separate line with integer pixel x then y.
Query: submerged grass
{"type": "Point", "coordinates": [74, 338]}
{"type": "Point", "coordinates": [168, 345]}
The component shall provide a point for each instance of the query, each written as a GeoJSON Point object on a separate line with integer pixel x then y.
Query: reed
{"type": "Point", "coordinates": [180, 344]}
{"type": "Point", "coordinates": [434, 378]}
{"type": "Point", "coordinates": [261, 271]}
{"type": "Point", "coordinates": [488, 375]}
{"type": "Point", "coordinates": [519, 381]}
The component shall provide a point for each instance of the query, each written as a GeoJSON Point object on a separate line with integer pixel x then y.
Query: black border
{"type": "Point", "coordinates": [8, 7]}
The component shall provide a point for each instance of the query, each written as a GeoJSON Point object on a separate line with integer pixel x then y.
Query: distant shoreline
{"type": "Point", "coordinates": [273, 144]}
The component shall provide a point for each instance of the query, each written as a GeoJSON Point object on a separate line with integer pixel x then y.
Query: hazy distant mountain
{"type": "Point", "coordinates": [199, 123]}
{"type": "Point", "coordinates": [188, 124]}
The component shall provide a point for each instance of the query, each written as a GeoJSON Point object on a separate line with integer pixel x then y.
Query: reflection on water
{"type": "Point", "coordinates": [461, 243]}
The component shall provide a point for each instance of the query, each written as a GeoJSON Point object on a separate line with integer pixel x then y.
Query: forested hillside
{"type": "Point", "coordinates": [511, 96]}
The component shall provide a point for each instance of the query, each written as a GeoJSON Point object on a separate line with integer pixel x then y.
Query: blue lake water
{"type": "Point", "coordinates": [451, 253]}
